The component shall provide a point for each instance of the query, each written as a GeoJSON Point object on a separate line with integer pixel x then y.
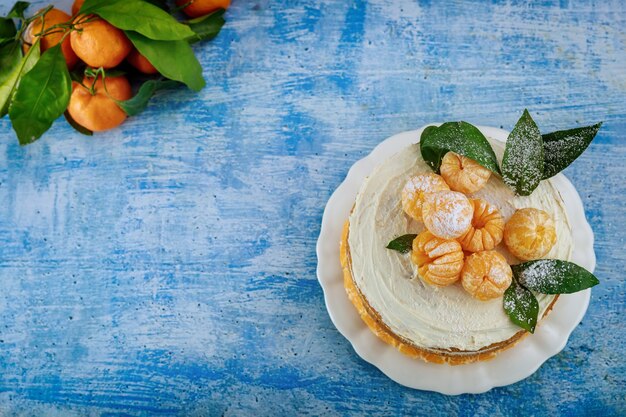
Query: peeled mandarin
{"type": "Point", "coordinates": [447, 214]}
{"type": "Point", "coordinates": [463, 174]}
{"type": "Point", "coordinates": [439, 261]}
{"type": "Point", "coordinates": [486, 275]}
{"type": "Point", "coordinates": [415, 189]}
{"type": "Point", "coordinates": [486, 229]}
{"type": "Point", "coordinates": [529, 234]}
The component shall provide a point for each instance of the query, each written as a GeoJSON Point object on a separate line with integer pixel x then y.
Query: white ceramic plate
{"type": "Point", "coordinates": [509, 366]}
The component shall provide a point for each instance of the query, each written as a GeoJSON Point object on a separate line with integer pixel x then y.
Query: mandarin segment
{"type": "Point", "coordinates": [439, 261]}
{"type": "Point", "coordinates": [415, 189]}
{"type": "Point", "coordinates": [486, 275]}
{"type": "Point", "coordinates": [486, 230]}
{"type": "Point", "coordinates": [530, 234]}
{"type": "Point", "coordinates": [447, 214]}
{"type": "Point", "coordinates": [99, 43]}
{"type": "Point", "coordinates": [463, 174]}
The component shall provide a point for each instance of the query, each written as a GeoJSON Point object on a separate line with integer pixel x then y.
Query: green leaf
{"type": "Point", "coordinates": [206, 27]}
{"type": "Point", "coordinates": [80, 128]}
{"type": "Point", "coordinates": [522, 164]}
{"type": "Point", "coordinates": [521, 306]}
{"type": "Point", "coordinates": [17, 11]}
{"type": "Point", "coordinates": [402, 244]}
{"type": "Point", "coordinates": [12, 68]}
{"type": "Point", "coordinates": [461, 138]}
{"type": "Point", "coordinates": [10, 64]}
{"type": "Point", "coordinates": [139, 101]}
{"type": "Point", "coordinates": [42, 95]}
{"type": "Point", "coordinates": [553, 276]}
{"type": "Point", "coordinates": [139, 16]}
{"type": "Point", "coordinates": [561, 148]}
{"type": "Point", "coordinates": [7, 30]}
{"type": "Point", "coordinates": [173, 59]}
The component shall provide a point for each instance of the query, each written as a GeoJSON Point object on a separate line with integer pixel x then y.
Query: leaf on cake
{"type": "Point", "coordinates": [522, 164]}
{"type": "Point", "coordinates": [402, 244]}
{"type": "Point", "coordinates": [561, 148]}
{"type": "Point", "coordinates": [461, 138]}
{"type": "Point", "coordinates": [521, 306]}
{"type": "Point", "coordinates": [553, 276]}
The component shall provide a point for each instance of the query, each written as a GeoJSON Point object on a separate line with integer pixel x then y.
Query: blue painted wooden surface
{"type": "Point", "coordinates": [168, 267]}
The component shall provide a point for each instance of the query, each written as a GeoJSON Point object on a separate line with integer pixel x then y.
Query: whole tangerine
{"type": "Point", "coordinates": [197, 8]}
{"type": "Point", "coordinates": [98, 111]}
{"type": "Point", "coordinates": [141, 62]}
{"type": "Point", "coordinates": [447, 214]}
{"type": "Point", "coordinates": [99, 43]}
{"type": "Point", "coordinates": [486, 275]}
{"type": "Point", "coordinates": [415, 189]}
{"type": "Point", "coordinates": [530, 234]}
{"type": "Point", "coordinates": [439, 261]}
{"type": "Point", "coordinates": [39, 25]}
{"type": "Point", "coordinates": [463, 174]}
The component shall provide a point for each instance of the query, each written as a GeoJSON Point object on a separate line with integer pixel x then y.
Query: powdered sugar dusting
{"type": "Point", "coordinates": [447, 214]}
{"type": "Point", "coordinates": [576, 142]}
{"type": "Point", "coordinates": [522, 165]}
{"type": "Point", "coordinates": [562, 148]}
{"type": "Point", "coordinates": [423, 183]}
{"type": "Point", "coordinates": [518, 301]}
{"type": "Point", "coordinates": [542, 273]}
{"type": "Point", "coordinates": [500, 272]}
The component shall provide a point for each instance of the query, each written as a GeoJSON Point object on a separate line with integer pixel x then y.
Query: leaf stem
{"type": "Point", "coordinates": [65, 27]}
{"type": "Point", "coordinates": [27, 21]}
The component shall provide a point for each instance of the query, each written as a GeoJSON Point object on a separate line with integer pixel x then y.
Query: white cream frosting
{"type": "Point", "coordinates": [429, 316]}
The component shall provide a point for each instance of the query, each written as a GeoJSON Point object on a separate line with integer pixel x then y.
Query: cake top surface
{"type": "Point", "coordinates": [430, 316]}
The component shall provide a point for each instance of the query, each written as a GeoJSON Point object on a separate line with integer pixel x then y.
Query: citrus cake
{"type": "Point", "coordinates": [443, 301]}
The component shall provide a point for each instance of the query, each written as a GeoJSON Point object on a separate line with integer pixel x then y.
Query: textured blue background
{"type": "Point", "coordinates": [168, 267]}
